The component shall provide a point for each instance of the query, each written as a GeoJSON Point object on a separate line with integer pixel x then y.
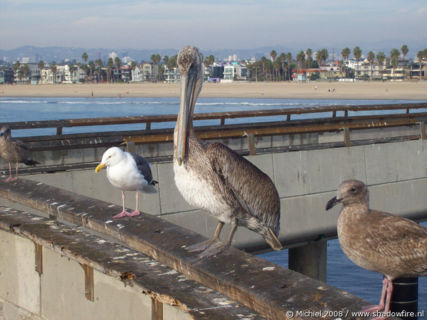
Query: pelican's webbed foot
{"type": "Point", "coordinates": [214, 249]}
{"type": "Point", "coordinates": [201, 246]}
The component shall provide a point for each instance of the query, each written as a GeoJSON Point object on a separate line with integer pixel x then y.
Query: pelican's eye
{"type": "Point", "coordinates": [353, 189]}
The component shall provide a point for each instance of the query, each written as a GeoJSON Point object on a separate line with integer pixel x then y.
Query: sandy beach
{"type": "Point", "coordinates": [416, 90]}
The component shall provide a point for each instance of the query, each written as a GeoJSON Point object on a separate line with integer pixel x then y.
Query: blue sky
{"type": "Point", "coordinates": [239, 24]}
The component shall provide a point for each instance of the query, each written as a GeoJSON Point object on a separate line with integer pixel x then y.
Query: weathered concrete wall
{"type": "Point", "coordinates": [396, 173]}
{"type": "Point", "coordinates": [59, 293]}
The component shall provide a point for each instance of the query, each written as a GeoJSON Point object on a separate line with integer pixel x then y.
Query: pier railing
{"type": "Point", "coordinates": [279, 121]}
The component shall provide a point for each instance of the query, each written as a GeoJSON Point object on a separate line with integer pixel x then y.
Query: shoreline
{"type": "Point", "coordinates": [416, 90]}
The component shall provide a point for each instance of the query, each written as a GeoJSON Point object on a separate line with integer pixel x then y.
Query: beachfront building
{"type": "Point", "coordinates": [137, 75]}
{"type": "Point", "coordinates": [46, 76]}
{"type": "Point", "coordinates": [217, 72]}
{"type": "Point", "coordinates": [302, 75]}
{"type": "Point", "coordinates": [235, 71]}
{"type": "Point", "coordinates": [6, 75]}
{"type": "Point", "coordinates": [72, 74]}
{"type": "Point", "coordinates": [147, 71]}
{"type": "Point", "coordinates": [126, 73]}
{"type": "Point", "coordinates": [172, 75]}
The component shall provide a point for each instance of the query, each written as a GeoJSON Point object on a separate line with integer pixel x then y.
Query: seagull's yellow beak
{"type": "Point", "coordinates": [100, 166]}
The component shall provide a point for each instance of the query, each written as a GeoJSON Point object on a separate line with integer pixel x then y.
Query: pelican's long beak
{"type": "Point", "coordinates": [100, 166]}
{"type": "Point", "coordinates": [189, 93]}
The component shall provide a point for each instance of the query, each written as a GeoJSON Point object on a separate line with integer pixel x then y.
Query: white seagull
{"type": "Point", "coordinates": [127, 172]}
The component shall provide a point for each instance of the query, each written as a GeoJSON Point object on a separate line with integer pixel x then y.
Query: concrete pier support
{"type": "Point", "coordinates": [309, 260]}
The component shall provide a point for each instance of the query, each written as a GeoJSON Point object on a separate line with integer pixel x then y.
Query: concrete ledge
{"type": "Point", "coordinates": [124, 281]}
{"type": "Point", "coordinates": [267, 289]}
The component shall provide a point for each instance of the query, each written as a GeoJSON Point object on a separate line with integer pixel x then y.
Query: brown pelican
{"type": "Point", "coordinates": [379, 241]}
{"type": "Point", "coordinates": [215, 178]}
{"type": "Point", "coordinates": [127, 172]}
{"type": "Point", "coordinates": [14, 151]}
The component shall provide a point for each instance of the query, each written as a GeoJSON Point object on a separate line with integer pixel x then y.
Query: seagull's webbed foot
{"type": "Point", "coordinates": [372, 308]}
{"type": "Point", "coordinates": [124, 213]}
{"type": "Point", "coordinates": [9, 179]}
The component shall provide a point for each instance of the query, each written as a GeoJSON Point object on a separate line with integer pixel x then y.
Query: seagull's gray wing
{"type": "Point", "coordinates": [144, 168]}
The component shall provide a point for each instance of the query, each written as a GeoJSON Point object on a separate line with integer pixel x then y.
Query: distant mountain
{"type": "Point", "coordinates": [61, 54]}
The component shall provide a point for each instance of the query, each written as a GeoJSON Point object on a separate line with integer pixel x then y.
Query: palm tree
{"type": "Point", "coordinates": [380, 60]}
{"type": "Point", "coordinates": [404, 50]}
{"type": "Point", "coordinates": [309, 54]}
{"type": "Point", "coordinates": [301, 59]}
{"type": "Point", "coordinates": [371, 58]}
{"type": "Point", "coordinates": [52, 67]}
{"type": "Point", "coordinates": [276, 67]}
{"type": "Point", "coordinates": [72, 68]}
{"type": "Point", "coordinates": [273, 55]}
{"type": "Point", "coordinates": [24, 71]}
{"type": "Point", "coordinates": [117, 63]}
{"type": "Point", "coordinates": [289, 60]}
{"type": "Point", "coordinates": [110, 65]}
{"type": "Point", "coordinates": [209, 60]}
{"type": "Point", "coordinates": [40, 65]}
{"type": "Point", "coordinates": [92, 68]}
{"type": "Point", "coordinates": [155, 59]}
{"type": "Point", "coordinates": [85, 57]}
{"type": "Point", "coordinates": [282, 61]}
{"type": "Point", "coordinates": [172, 62]}
{"type": "Point", "coordinates": [345, 53]}
{"type": "Point", "coordinates": [16, 67]}
{"type": "Point", "coordinates": [357, 53]}
{"type": "Point", "coordinates": [99, 66]}
{"type": "Point", "coordinates": [394, 58]}
{"type": "Point", "coordinates": [321, 56]}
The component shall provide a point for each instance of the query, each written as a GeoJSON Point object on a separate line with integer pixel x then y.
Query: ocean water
{"type": "Point", "coordinates": [31, 109]}
{"type": "Point", "coordinates": [341, 272]}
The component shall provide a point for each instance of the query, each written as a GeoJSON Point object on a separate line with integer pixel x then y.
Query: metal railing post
{"type": "Point", "coordinates": [405, 297]}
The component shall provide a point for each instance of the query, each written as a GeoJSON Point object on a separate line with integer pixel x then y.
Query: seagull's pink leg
{"type": "Point", "coordinates": [136, 211]}
{"type": "Point", "coordinates": [387, 293]}
{"type": "Point", "coordinates": [380, 306]}
{"type": "Point", "coordinates": [16, 172]}
{"type": "Point", "coordinates": [124, 213]}
{"type": "Point", "coordinates": [10, 174]}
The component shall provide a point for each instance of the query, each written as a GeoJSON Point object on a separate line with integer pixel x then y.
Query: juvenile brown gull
{"type": "Point", "coordinates": [379, 241]}
{"type": "Point", "coordinates": [14, 151]}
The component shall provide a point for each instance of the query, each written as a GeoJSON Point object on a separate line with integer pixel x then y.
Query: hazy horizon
{"type": "Point", "coordinates": [227, 25]}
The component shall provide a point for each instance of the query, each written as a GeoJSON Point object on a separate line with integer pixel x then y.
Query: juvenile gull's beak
{"type": "Point", "coordinates": [100, 166]}
{"type": "Point", "coordinates": [331, 203]}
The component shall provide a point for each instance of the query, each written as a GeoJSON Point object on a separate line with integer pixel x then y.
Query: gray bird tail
{"type": "Point", "coordinates": [30, 162]}
{"type": "Point", "coordinates": [272, 240]}
{"type": "Point", "coordinates": [149, 189]}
